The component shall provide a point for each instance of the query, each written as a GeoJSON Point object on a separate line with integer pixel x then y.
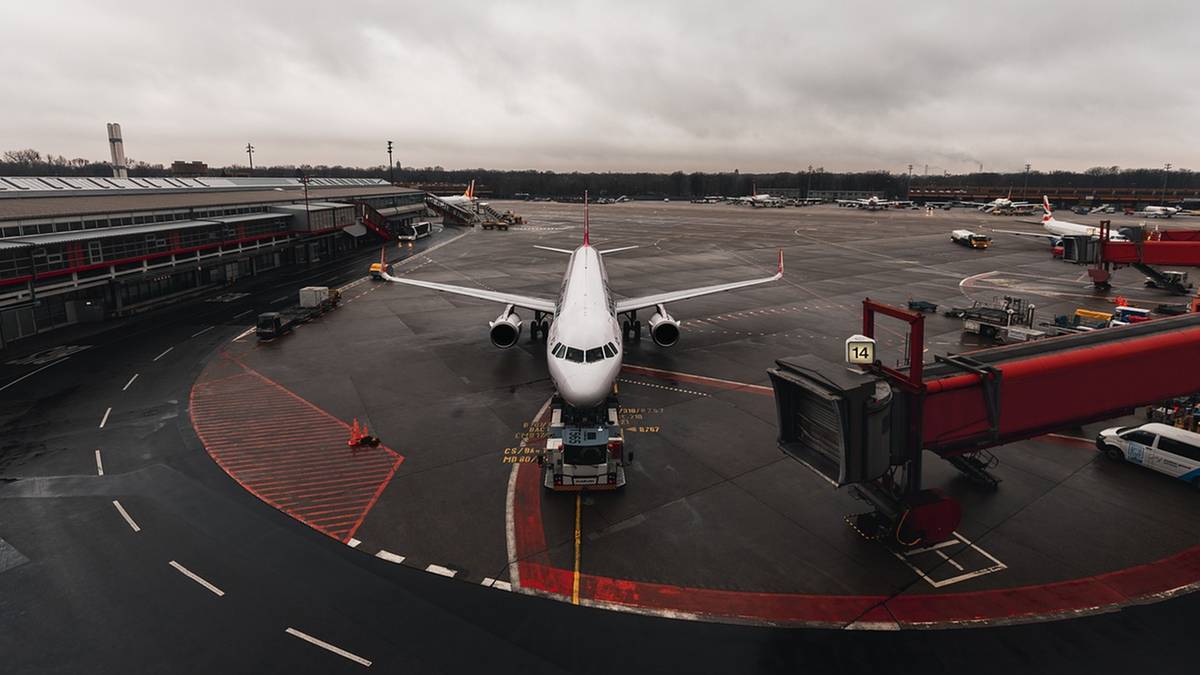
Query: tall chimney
{"type": "Point", "coordinates": [118, 151]}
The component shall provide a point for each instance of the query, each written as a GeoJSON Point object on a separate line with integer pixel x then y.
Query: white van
{"type": "Point", "coordinates": [1158, 446]}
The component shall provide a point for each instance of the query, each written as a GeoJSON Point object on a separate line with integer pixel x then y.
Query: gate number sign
{"type": "Point", "coordinates": [860, 350]}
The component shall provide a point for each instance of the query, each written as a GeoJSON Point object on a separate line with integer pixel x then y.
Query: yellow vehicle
{"type": "Point", "coordinates": [377, 271]}
{"type": "Point", "coordinates": [1093, 315]}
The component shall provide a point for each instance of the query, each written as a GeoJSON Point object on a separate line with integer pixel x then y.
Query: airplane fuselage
{"type": "Point", "coordinates": [584, 348]}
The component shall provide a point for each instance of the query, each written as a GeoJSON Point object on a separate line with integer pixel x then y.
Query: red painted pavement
{"type": "Point", "coordinates": [287, 451]}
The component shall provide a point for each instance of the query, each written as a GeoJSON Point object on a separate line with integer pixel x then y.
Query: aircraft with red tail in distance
{"type": "Point", "coordinates": [1056, 229]}
{"type": "Point", "coordinates": [585, 325]}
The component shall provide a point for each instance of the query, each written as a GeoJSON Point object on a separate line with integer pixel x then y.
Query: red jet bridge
{"type": "Point", "coordinates": [868, 429]}
{"type": "Point", "coordinates": [1175, 248]}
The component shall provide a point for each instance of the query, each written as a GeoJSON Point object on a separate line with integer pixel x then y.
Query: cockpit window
{"type": "Point", "coordinates": [609, 350]}
{"type": "Point", "coordinates": [595, 354]}
{"type": "Point", "coordinates": [559, 350]}
{"type": "Point", "coordinates": [575, 355]}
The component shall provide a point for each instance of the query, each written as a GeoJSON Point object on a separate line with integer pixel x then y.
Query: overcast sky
{"type": "Point", "coordinates": [609, 85]}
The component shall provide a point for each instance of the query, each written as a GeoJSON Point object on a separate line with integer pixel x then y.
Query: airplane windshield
{"type": "Point", "coordinates": [595, 354]}
{"type": "Point", "coordinates": [575, 355]}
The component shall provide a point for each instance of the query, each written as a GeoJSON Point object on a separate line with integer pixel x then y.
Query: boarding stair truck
{"type": "Point", "coordinates": [314, 301]}
{"type": "Point", "coordinates": [585, 450]}
{"type": "Point", "coordinates": [970, 239]}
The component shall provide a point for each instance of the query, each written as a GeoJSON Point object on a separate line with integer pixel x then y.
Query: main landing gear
{"type": "Point", "coordinates": [539, 326]}
{"type": "Point", "coordinates": [631, 328]}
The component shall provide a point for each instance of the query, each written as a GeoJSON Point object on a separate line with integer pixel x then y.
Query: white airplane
{"type": "Point", "coordinates": [584, 345]}
{"type": "Point", "coordinates": [466, 200]}
{"type": "Point", "coordinates": [1002, 205]}
{"type": "Point", "coordinates": [757, 200]}
{"type": "Point", "coordinates": [1158, 211]}
{"type": "Point", "coordinates": [872, 203]}
{"type": "Point", "coordinates": [1056, 229]}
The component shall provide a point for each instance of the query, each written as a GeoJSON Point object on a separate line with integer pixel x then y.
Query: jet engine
{"type": "Point", "coordinates": [506, 329]}
{"type": "Point", "coordinates": [664, 328]}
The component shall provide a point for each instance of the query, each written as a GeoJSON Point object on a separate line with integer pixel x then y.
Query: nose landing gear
{"type": "Point", "coordinates": [631, 328]}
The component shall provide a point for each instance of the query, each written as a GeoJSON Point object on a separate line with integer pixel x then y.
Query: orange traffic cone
{"type": "Point", "coordinates": [355, 434]}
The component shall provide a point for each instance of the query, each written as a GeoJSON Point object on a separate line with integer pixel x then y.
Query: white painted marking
{"type": "Point", "coordinates": [243, 334]}
{"type": "Point", "coordinates": [389, 556]}
{"type": "Point", "coordinates": [353, 543]}
{"type": "Point", "coordinates": [493, 583]}
{"type": "Point", "coordinates": [99, 465]}
{"type": "Point", "coordinates": [104, 419]}
{"type": "Point", "coordinates": [444, 571]}
{"type": "Point", "coordinates": [325, 645]}
{"type": "Point", "coordinates": [125, 515]}
{"type": "Point", "coordinates": [279, 300]}
{"type": "Point", "coordinates": [33, 373]}
{"type": "Point", "coordinates": [950, 560]}
{"type": "Point", "coordinates": [168, 351]}
{"type": "Point", "coordinates": [241, 314]}
{"type": "Point", "coordinates": [135, 376]}
{"type": "Point", "coordinates": [997, 566]}
{"type": "Point", "coordinates": [202, 332]}
{"type": "Point", "coordinates": [196, 578]}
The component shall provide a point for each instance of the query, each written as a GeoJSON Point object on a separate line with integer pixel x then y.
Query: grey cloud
{"type": "Point", "coordinates": [609, 85]}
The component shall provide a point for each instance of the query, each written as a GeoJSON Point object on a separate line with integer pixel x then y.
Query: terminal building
{"type": "Point", "coordinates": [75, 250]}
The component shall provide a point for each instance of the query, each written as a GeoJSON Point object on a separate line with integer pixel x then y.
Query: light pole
{"type": "Point", "coordinates": [808, 188]}
{"type": "Point", "coordinates": [250, 154]}
{"type": "Point", "coordinates": [908, 187]}
{"type": "Point", "coordinates": [1166, 172]}
{"type": "Point", "coordinates": [391, 166]}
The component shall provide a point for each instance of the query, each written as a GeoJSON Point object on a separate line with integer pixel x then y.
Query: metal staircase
{"type": "Point", "coordinates": [451, 213]}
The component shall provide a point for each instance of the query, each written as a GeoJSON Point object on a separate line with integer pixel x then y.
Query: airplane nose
{"type": "Point", "coordinates": [582, 394]}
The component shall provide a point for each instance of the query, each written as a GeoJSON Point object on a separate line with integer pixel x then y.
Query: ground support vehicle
{"type": "Point", "coordinates": [1009, 322]}
{"type": "Point", "coordinates": [314, 301]}
{"type": "Point", "coordinates": [585, 450]}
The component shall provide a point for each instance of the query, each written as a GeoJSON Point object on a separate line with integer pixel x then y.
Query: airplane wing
{"type": "Point", "coordinates": [556, 250]}
{"type": "Point", "coordinates": [1039, 235]}
{"type": "Point", "coordinates": [619, 249]}
{"type": "Point", "coordinates": [523, 301]}
{"type": "Point", "coordinates": [630, 304]}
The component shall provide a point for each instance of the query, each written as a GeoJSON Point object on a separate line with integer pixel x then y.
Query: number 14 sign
{"type": "Point", "coordinates": [860, 350]}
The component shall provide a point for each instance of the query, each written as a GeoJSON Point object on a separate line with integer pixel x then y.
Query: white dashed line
{"type": "Point", "coordinates": [196, 578]}
{"type": "Point", "coordinates": [241, 314]}
{"type": "Point", "coordinates": [243, 334]}
{"type": "Point", "coordinates": [661, 386]}
{"type": "Point", "coordinates": [389, 556]}
{"type": "Point", "coordinates": [125, 515]}
{"type": "Point", "coordinates": [493, 583]}
{"type": "Point", "coordinates": [99, 465]}
{"type": "Point", "coordinates": [444, 571]}
{"type": "Point", "coordinates": [276, 301]}
{"type": "Point", "coordinates": [325, 645]}
{"type": "Point", "coordinates": [104, 419]}
{"type": "Point", "coordinates": [135, 376]}
{"type": "Point", "coordinates": [168, 351]}
{"type": "Point", "coordinates": [353, 543]}
{"type": "Point", "coordinates": [202, 332]}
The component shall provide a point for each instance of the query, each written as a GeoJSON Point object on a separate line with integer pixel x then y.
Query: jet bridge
{"type": "Point", "coordinates": [867, 428]}
{"type": "Point", "coordinates": [1141, 250]}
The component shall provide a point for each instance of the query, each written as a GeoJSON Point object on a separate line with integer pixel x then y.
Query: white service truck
{"type": "Point", "coordinates": [584, 451]}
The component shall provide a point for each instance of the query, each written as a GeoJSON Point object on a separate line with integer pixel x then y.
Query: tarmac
{"type": "Point", "coordinates": [225, 454]}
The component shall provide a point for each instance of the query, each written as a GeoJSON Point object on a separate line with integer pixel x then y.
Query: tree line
{"type": "Point", "coordinates": [678, 185]}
